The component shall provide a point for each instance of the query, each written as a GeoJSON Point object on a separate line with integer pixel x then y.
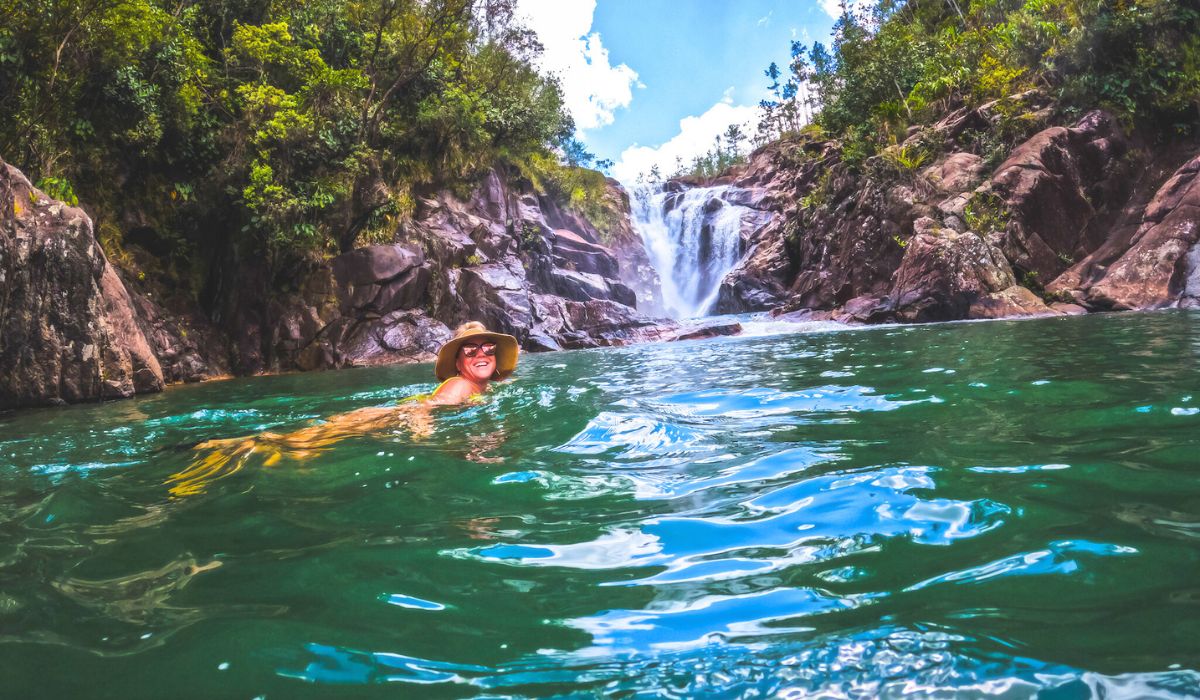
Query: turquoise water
{"type": "Point", "coordinates": [984, 509]}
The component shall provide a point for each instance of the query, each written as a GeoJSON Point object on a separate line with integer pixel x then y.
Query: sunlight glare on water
{"type": "Point", "coordinates": [988, 509]}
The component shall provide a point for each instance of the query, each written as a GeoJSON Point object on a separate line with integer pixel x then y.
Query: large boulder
{"type": "Point", "coordinates": [955, 173]}
{"type": "Point", "coordinates": [381, 278]}
{"type": "Point", "coordinates": [759, 280]}
{"type": "Point", "coordinates": [399, 337]}
{"type": "Point", "coordinates": [946, 275]}
{"type": "Point", "coordinates": [495, 294]}
{"type": "Point", "coordinates": [68, 327]}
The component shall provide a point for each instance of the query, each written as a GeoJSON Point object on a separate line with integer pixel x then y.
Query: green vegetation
{"type": "Point", "coordinates": [985, 213]}
{"type": "Point", "coordinates": [285, 129]}
{"type": "Point", "coordinates": [583, 189]}
{"type": "Point", "coordinates": [725, 153]}
{"type": "Point", "coordinates": [895, 64]}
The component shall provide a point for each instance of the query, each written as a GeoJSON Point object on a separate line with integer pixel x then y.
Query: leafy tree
{"type": "Point", "coordinates": [896, 63]}
{"type": "Point", "coordinates": [289, 129]}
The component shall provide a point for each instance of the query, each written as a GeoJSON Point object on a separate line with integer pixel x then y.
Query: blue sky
{"type": "Point", "coordinates": [652, 80]}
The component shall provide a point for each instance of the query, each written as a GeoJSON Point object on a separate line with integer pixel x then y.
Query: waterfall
{"type": "Point", "coordinates": [693, 237]}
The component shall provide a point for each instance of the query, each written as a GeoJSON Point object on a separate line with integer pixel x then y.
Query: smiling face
{"type": "Point", "coordinates": [474, 363]}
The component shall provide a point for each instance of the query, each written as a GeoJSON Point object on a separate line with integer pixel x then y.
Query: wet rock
{"type": "Point", "coordinates": [1012, 302]}
{"type": "Point", "coordinates": [1068, 309]}
{"type": "Point", "coordinates": [751, 197]}
{"type": "Point", "coordinates": [863, 309]}
{"type": "Point", "coordinates": [802, 315]}
{"type": "Point", "coordinates": [757, 281]}
{"type": "Point", "coordinates": [708, 330]}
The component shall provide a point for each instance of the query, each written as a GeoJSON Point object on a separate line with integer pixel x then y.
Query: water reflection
{"type": "Point", "coordinates": [958, 510]}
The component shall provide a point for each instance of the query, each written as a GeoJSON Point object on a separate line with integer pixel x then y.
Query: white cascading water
{"type": "Point", "coordinates": [693, 238]}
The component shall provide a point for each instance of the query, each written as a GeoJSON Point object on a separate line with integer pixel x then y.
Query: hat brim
{"type": "Point", "coordinates": [507, 351]}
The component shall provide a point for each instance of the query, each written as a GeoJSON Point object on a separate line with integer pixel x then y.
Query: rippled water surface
{"type": "Point", "coordinates": [993, 509]}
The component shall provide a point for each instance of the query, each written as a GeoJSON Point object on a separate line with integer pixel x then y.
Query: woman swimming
{"type": "Point", "coordinates": [466, 364]}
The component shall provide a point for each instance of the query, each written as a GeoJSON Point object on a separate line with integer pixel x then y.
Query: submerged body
{"type": "Point", "coordinates": [476, 356]}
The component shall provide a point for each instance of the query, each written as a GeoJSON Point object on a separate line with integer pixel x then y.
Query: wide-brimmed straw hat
{"type": "Point", "coordinates": [475, 332]}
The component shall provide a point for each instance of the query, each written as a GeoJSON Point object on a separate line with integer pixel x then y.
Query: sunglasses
{"type": "Point", "coordinates": [472, 350]}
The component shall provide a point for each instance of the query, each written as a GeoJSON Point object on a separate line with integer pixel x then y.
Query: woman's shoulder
{"type": "Point", "coordinates": [454, 390]}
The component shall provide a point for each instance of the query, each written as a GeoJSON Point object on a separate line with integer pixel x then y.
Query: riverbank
{"type": "Point", "coordinates": [79, 327]}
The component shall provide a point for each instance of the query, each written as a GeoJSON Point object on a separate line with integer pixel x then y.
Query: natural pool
{"type": "Point", "coordinates": [997, 509]}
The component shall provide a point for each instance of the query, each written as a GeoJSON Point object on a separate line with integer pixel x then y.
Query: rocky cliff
{"type": "Point", "coordinates": [505, 256]}
{"type": "Point", "coordinates": [72, 330]}
{"type": "Point", "coordinates": [1078, 217]}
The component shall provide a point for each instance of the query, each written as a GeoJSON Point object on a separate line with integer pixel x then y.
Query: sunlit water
{"type": "Point", "coordinates": [984, 509]}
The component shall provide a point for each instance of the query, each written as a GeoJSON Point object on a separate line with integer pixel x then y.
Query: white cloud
{"type": "Point", "coordinates": [696, 136]}
{"type": "Point", "coordinates": [833, 8]}
{"type": "Point", "coordinates": [765, 20]}
{"type": "Point", "coordinates": [592, 88]}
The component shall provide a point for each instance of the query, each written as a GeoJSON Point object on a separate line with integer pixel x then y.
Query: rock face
{"type": "Point", "coordinates": [503, 255]}
{"type": "Point", "coordinates": [1055, 190]}
{"type": "Point", "coordinates": [72, 330]}
{"type": "Point", "coordinates": [1076, 218]}
{"type": "Point", "coordinates": [1155, 267]}
{"type": "Point", "coordinates": [69, 330]}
